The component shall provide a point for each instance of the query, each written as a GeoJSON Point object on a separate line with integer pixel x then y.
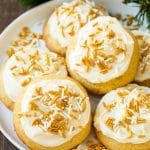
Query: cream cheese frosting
{"type": "Point", "coordinates": [143, 72]}
{"type": "Point", "coordinates": [103, 50]}
{"type": "Point", "coordinates": [53, 111]}
{"type": "Point", "coordinates": [70, 17]}
{"type": "Point", "coordinates": [124, 114]}
{"type": "Point", "coordinates": [26, 64]}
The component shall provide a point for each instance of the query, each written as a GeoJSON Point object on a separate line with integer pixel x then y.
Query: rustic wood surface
{"type": "Point", "coordinates": [9, 10]}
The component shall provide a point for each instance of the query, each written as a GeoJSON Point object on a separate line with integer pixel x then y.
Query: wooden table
{"type": "Point", "coordinates": [9, 10]}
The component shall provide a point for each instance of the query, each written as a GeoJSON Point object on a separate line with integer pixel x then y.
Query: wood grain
{"type": "Point", "coordinates": [9, 10]}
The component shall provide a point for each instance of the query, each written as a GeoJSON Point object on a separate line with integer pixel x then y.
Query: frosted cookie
{"type": "Point", "coordinates": [143, 72]}
{"type": "Point", "coordinates": [91, 143]}
{"type": "Point", "coordinates": [53, 113]}
{"type": "Point", "coordinates": [122, 118]}
{"type": "Point", "coordinates": [22, 67]}
{"type": "Point", "coordinates": [66, 21]}
{"type": "Point", "coordinates": [103, 55]}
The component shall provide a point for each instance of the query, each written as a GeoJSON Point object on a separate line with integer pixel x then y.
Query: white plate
{"type": "Point", "coordinates": [35, 18]}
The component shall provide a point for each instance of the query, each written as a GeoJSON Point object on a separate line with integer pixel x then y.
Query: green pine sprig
{"type": "Point", "coordinates": [31, 2]}
{"type": "Point", "coordinates": [144, 10]}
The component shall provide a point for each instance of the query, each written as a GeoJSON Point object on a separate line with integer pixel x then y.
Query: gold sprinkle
{"type": "Point", "coordinates": [129, 113]}
{"type": "Point", "coordinates": [26, 114]}
{"type": "Point", "coordinates": [13, 67]}
{"type": "Point", "coordinates": [122, 93]}
{"type": "Point", "coordinates": [62, 31]}
{"type": "Point", "coordinates": [110, 123]}
{"type": "Point", "coordinates": [141, 136]}
{"type": "Point", "coordinates": [130, 133]}
{"type": "Point", "coordinates": [119, 50]}
{"type": "Point", "coordinates": [26, 29]}
{"type": "Point", "coordinates": [23, 34]}
{"type": "Point", "coordinates": [109, 106]}
{"type": "Point", "coordinates": [47, 59]}
{"type": "Point", "coordinates": [127, 121]}
{"type": "Point", "coordinates": [39, 36]}
{"type": "Point", "coordinates": [37, 122]}
{"type": "Point", "coordinates": [15, 43]}
{"type": "Point", "coordinates": [103, 67]}
{"type": "Point", "coordinates": [10, 52]}
{"type": "Point", "coordinates": [71, 32]}
{"type": "Point", "coordinates": [26, 82]}
{"type": "Point", "coordinates": [129, 19]}
{"type": "Point", "coordinates": [70, 24]}
{"type": "Point", "coordinates": [111, 34]}
{"type": "Point", "coordinates": [33, 35]}
{"type": "Point", "coordinates": [39, 90]}
{"type": "Point", "coordinates": [118, 16]}
{"type": "Point", "coordinates": [56, 66]}
{"type": "Point", "coordinates": [74, 116]}
{"type": "Point", "coordinates": [141, 120]}
{"type": "Point", "coordinates": [24, 43]}
{"type": "Point", "coordinates": [17, 58]}
{"type": "Point", "coordinates": [95, 24]}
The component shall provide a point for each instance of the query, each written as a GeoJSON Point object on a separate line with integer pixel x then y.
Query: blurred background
{"type": "Point", "coordinates": [9, 10]}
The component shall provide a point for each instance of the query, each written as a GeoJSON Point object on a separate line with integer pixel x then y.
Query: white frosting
{"type": "Point", "coordinates": [12, 83]}
{"type": "Point", "coordinates": [37, 133]}
{"type": "Point", "coordinates": [119, 67]}
{"type": "Point", "coordinates": [118, 112]}
{"type": "Point", "coordinates": [144, 59]}
{"type": "Point", "coordinates": [81, 12]}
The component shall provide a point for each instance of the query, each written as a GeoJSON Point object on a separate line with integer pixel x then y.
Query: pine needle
{"type": "Point", "coordinates": [144, 10]}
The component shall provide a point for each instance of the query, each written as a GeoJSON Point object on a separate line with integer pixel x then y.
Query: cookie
{"type": "Point", "coordinates": [103, 55]}
{"type": "Point", "coordinates": [122, 118]}
{"type": "Point", "coordinates": [143, 73]}
{"type": "Point", "coordinates": [67, 20]}
{"type": "Point", "coordinates": [22, 67]}
{"type": "Point", "coordinates": [53, 113]}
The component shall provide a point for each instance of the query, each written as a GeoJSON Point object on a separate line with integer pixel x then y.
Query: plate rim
{"type": "Point", "coordinates": [2, 34]}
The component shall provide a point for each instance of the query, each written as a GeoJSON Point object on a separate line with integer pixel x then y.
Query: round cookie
{"type": "Point", "coordinates": [103, 55]}
{"type": "Point", "coordinates": [53, 113]}
{"type": "Point", "coordinates": [23, 66]}
{"type": "Point", "coordinates": [67, 20]}
{"type": "Point", "coordinates": [122, 118]}
{"type": "Point", "coordinates": [91, 143]}
{"type": "Point", "coordinates": [143, 73]}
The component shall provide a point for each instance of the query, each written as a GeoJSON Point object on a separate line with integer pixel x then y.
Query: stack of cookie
{"type": "Point", "coordinates": [52, 110]}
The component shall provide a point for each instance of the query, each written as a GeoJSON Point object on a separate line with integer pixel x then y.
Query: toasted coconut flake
{"type": "Point", "coordinates": [127, 121]}
{"type": "Point", "coordinates": [26, 29]}
{"type": "Point", "coordinates": [95, 24]}
{"type": "Point", "coordinates": [13, 67]}
{"type": "Point", "coordinates": [141, 120]}
{"type": "Point", "coordinates": [14, 43]}
{"type": "Point", "coordinates": [37, 122]}
{"type": "Point", "coordinates": [109, 106]}
{"type": "Point", "coordinates": [110, 122]}
{"type": "Point", "coordinates": [10, 52]}
{"type": "Point", "coordinates": [26, 114]}
{"type": "Point", "coordinates": [130, 133]}
{"type": "Point", "coordinates": [141, 136]}
{"type": "Point", "coordinates": [26, 82]}
{"type": "Point", "coordinates": [118, 16]}
{"type": "Point", "coordinates": [111, 34]}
